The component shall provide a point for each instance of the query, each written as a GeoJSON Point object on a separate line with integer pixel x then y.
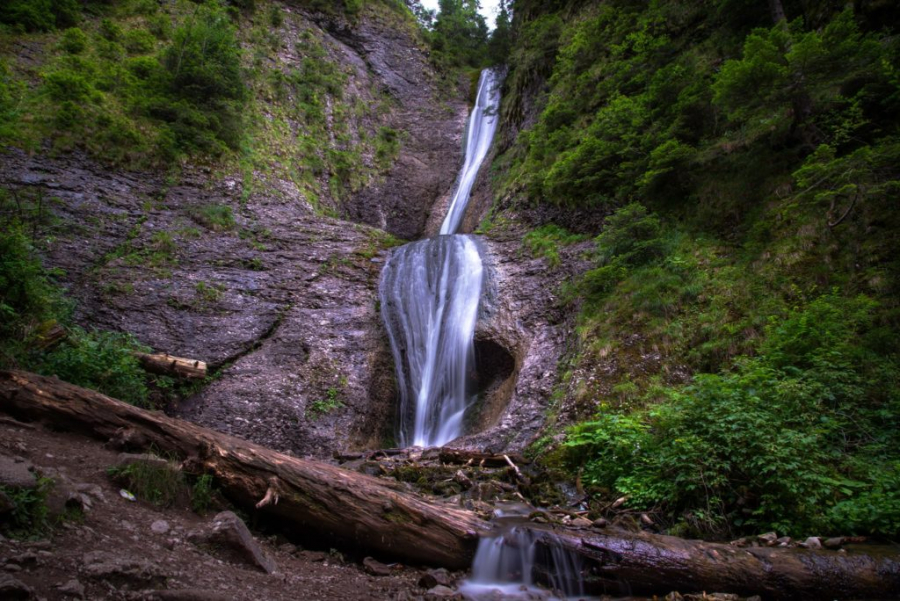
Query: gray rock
{"type": "Point", "coordinates": [784, 541]}
{"type": "Point", "coordinates": [813, 542]}
{"type": "Point", "coordinates": [16, 473]}
{"type": "Point", "coordinates": [12, 589]}
{"type": "Point", "coordinates": [440, 592]}
{"type": "Point", "coordinates": [118, 570]}
{"type": "Point", "coordinates": [228, 538]}
{"type": "Point", "coordinates": [159, 527]}
{"type": "Point", "coordinates": [72, 588]}
{"type": "Point", "coordinates": [834, 543]}
{"type": "Point", "coordinates": [600, 523]}
{"type": "Point", "coordinates": [375, 567]}
{"type": "Point", "coordinates": [437, 577]}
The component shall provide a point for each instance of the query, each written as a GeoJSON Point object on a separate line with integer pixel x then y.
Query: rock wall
{"type": "Point", "coordinates": [283, 302]}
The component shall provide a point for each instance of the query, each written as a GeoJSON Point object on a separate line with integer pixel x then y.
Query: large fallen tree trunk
{"type": "Point", "coordinates": [355, 509]}
{"type": "Point", "coordinates": [629, 563]}
{"type": "Point", "coordinates": [349, 508]}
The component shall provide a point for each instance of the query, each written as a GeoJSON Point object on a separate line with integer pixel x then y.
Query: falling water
{"type": "Point", "coordinates": [429, 295]}
{"type": "Point", "coordinates": [514, 561]}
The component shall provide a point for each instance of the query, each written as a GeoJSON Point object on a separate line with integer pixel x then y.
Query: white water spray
{"type": "Point", "coordinates": [429, 295]}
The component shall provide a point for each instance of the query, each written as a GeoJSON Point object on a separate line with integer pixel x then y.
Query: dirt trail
{"type": "Point", "coordinates": [122, 528]}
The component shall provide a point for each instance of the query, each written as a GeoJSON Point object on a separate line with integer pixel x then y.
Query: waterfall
{"type": "Point", "coordinates": [513, 562]}
{"type": "Point", "coordinates": [479, 134]}
{"type": "Point", "coordinates": [429, 296]}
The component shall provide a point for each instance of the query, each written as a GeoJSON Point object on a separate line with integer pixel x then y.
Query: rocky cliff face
{"type": "Point", "coordinates": [245, 271]}
{"type": "Point", "coordinates": [278, 298]}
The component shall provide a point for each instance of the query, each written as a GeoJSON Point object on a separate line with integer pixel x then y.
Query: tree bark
{"type": "Point", "coordinates": [349, 508]}
{"type": "Point", "coordinates": [167, 365]}
{"type": "Point", "coordinates": [628, 563]}
{"type": "Point", "coordinates": [365, 513]}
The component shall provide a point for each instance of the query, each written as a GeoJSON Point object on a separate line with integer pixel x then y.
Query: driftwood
{"type": "Point", "coordinates": [344, 507]}
{"type": "Point", "coordinates": [364, 513]}
{"type": "Point", "coordinates": [167, 365]}
{"type": "Point", "coordinates": [462, 456]}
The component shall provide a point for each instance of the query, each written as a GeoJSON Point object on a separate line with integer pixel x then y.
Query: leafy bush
{"type": "Point", "coordinates": [29, 516]}
{"type": "Point", "coordinates": [801, 438]}
{"type": "Point", "coordinates": [40, 15]}
{"type": "Point", "coordinates": [28, 298]}
{"type": "Point", "coordinates": [103, 361]}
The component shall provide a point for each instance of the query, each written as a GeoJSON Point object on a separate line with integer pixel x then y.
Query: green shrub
{"type": "Point", "coordinates": [103, 361]}
{"type": "Point", "coordinates": [801, 438]}
{"type": "Point", "coordinates": [28, 298]}
{"type": "Point", "coordinates": [29, 516]}
{"type": "Point", "coordinates": [40, 15]}
{"type": "Point", "coordinates": [74, 41]}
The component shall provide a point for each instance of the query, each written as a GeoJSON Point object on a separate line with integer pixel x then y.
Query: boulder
{"type": "Point", "coordinates": [229, 539]}
{"type": "Point", "coordinates": [16, 473]}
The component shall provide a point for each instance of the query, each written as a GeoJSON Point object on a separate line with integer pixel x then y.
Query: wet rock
{"type": "Point", "coordinates": [375, 567]}
{"type": "Point", "coordinates": [600, 523]}
{"type": "Point", "coordinates": [228, 538]}
{"type": "Point", "coordinates": [833, 543]}
{"type": "Point", "coordinates": [437, 577]}
{"type": "Point", "coordinates": [159, 527]}
{"type": "Point", "coordinates": [440, 592]}
{"type": "Point", "coordinates": [813, 542]}
{"type": "Point", "coordinates": [769, 539]}
{"type": "Point", "coordinates": [72, 588]}
{"type": "Point", "coordinates": [12, 589]}
{"type": "Point", "coordinates": [121, 571]}
{"type": "Point", "coordinates": [784, 541]}
{"type": "Point", "coordinates": [16, 473]}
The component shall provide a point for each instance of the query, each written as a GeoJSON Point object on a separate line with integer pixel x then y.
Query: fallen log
{"type": "Point", "coordinates": [365, 513]}
{"type": "Point", "coordinates": [626, 563]}
{"type": "Point", "coordinates": [167, 365]}
{"type": "Point", "coordinates": [349, 508]}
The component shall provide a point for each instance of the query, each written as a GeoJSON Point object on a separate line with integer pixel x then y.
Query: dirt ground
{"type": "Point", "coordinates": [119, 532]}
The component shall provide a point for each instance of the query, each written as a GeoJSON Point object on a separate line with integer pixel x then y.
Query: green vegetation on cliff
{"type": "Point", "coordinates": [737, 365]}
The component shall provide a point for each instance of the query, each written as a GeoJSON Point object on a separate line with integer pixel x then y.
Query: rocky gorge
{"type": "Point", "coordinates": [643, 359]}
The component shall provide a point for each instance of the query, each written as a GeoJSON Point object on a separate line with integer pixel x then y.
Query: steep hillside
{"type": "Point", "coordinates": [728, 178]}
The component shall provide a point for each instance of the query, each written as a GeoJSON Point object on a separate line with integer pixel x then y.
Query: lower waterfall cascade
{"type": "Point", "coordinates": [429, 294]}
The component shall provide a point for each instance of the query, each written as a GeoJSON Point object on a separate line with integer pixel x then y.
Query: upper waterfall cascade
{"type": "Point", "coordinates": [429, 295]}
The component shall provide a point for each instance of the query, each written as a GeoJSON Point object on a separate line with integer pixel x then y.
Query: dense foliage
{"type": "Point", "coordinates": [737, 367]}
